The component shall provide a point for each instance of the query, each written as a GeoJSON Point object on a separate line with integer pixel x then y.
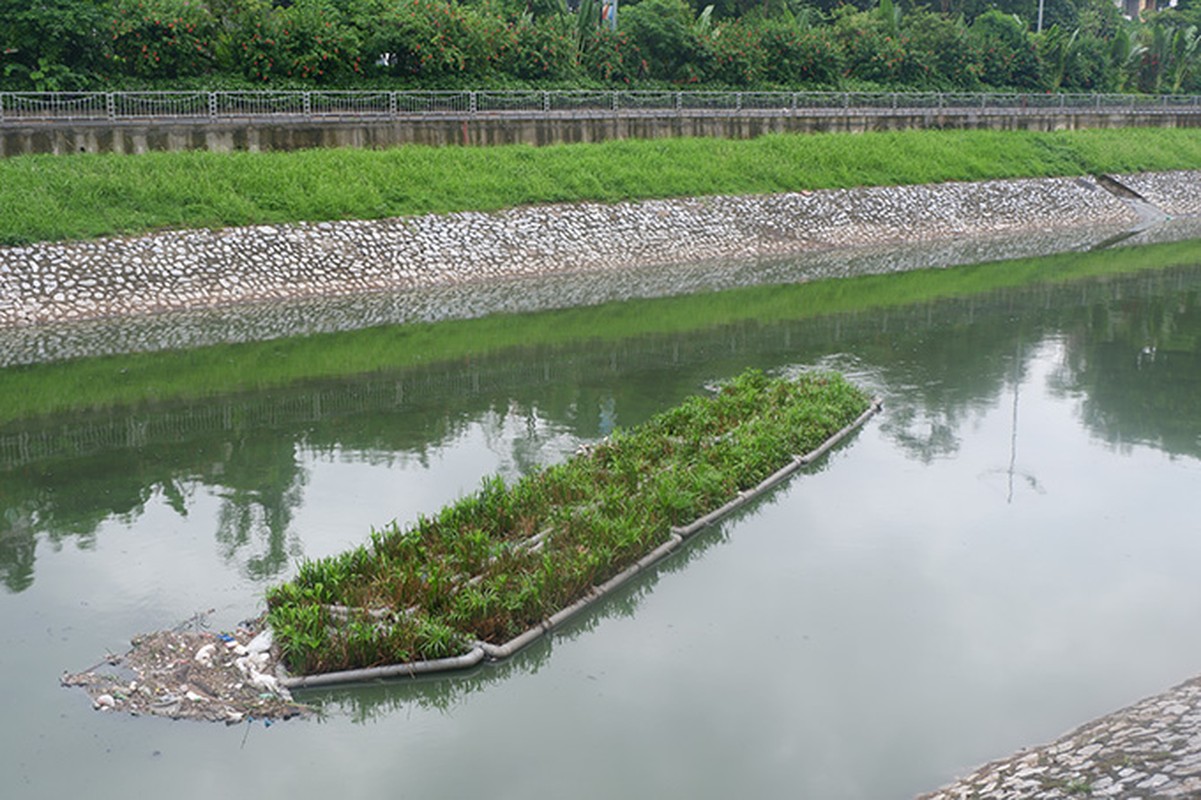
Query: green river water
{"type": "Point", "coordinates": [1007, 551]}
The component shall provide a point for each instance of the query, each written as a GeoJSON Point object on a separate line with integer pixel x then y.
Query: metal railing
{"type": "Point", "coordinates": [232, 106]}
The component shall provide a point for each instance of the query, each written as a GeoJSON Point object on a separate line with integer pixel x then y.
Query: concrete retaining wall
{"type": "Point", "coordinates": [485, 129]}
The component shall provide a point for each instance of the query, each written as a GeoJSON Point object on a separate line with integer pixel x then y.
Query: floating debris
{"type": "Point", "coordinates": [190, 673]}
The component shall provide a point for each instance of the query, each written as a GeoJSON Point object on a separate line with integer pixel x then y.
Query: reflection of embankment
{"type": "Point", "coordinates": [445, 391]}
{"type": "Point", "coordinates": [279, 319]}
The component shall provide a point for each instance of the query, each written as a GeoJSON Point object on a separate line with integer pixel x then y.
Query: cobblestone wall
{"type": "Point", "coordinates": [258, 282]}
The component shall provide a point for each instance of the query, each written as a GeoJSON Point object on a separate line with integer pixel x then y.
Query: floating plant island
{"type": "Point", "coordinates": [501, 567]}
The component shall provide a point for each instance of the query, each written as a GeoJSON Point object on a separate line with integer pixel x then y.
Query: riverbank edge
{"type": "Point", "coordinates": [171, 271]}
{"type": "Point", "coordinates": [1150, 749]}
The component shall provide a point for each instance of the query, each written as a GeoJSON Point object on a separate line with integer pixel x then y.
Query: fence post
{"type": "Point", "coordinates": [846, 101]}
{"type": "Point", "coordinates": [472, 103]}
{"type": "Point", "coordinates": [2, 106]}
{"type": "Point", "coordinates": [794, 103]}
{"type": "Point", "coordinates": [110, 106]}
{"type": "Point", "coordinates": [212, 106]}
{"type": "Point", "coordinates": [392, 105]}
{"type": "Point", "coordinates": [679, 102]}
{"type": "Point", "coordinates": [308, 105]}
{"type": "Point", "coordinates": [738, 101]}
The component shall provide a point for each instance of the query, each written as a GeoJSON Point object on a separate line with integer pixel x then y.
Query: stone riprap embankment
{"type": "Point", "coordinates": [52, 282]}
{"type": "Point", "coordinates": [60, 300]}
{"type": "Point", "coordinates": [1151, 749]}
{"type": "Point", "coordinates": [1177, 193]}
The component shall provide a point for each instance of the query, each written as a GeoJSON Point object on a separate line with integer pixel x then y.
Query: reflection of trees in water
{"type": "Point", "coordinates": [18, 548]}
{"type": "Point", "coordinates": [261, 483]}
{"type": "Point", "coordinates": [1135, 366]}
{"type": "Point", "coordinates": [921, 434]}
{"type": "Point", "coordinates": [939, 378]}
{"type": "Point", "coordinates": [258, 477]}
{"type": "Point", "coordinates": [60, 502]}
{"type": "Point", "coordinates": [1130, 354]}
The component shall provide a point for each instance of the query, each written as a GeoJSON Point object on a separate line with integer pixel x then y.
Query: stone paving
{"type": "Point", "coordinates": [1151, 749]}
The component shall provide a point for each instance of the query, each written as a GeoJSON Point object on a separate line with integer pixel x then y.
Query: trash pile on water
{"type": "Point", "coordinates": [192, 673]}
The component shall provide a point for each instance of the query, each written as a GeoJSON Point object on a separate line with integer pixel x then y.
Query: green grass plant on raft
{"type": "Point", "coordinates": [499, 561]}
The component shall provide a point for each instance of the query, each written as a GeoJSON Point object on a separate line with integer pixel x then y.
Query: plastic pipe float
{"type": "Point", "coordinates": [410, 669]}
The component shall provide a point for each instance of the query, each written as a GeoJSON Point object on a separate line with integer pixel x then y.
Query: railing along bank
{"type": "Point", "coordinates": [223, 106]}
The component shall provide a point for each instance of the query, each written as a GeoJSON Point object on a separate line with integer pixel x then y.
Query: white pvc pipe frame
{"type": "Point", "coordinates": [484, 651]}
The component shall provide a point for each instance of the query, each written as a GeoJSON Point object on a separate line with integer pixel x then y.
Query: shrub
{"type": "Point", "coordinates": [437, 39]}
{"type": "Point", "coordinates": [49, 45]}
{"type": "Point", "coordinates": [794, 56]}
{"type": "Point", "coordinates": [666, 37]}
{"type": "Point", "coordinates": [610, 56]}
{"type": "Point", "coordinates": [874, 52]}
{"type": "Point", "coordinates": [738, 58]}
{"type": "Point", "coordinates": [944, 54]}
{"type": "Point", "coordinates": [540, 48]}
{"type": "Point", "coordinates": [1091, 69]}
{"type": "Point", "coordinates": [308, 40]}
{"type": "Point", "coordinates": [1007, 54]}
{"type": "Point", "coordinates": [161, 39]}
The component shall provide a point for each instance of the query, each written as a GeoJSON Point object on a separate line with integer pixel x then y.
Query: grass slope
{"type": "Point", "coordinates": [46, 198]}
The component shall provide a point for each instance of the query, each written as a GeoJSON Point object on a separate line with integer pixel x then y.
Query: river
{"type": "Point", "coordinates": [1006, 552]}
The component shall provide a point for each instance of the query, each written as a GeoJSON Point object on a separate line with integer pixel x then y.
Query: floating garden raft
{"type": "Point", "coordinates": [503, 566]}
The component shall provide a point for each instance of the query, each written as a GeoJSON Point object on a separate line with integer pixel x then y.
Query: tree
{"type": "Point", "coordinates": [49, 45]}
{"type": "Point", "coordinates": [664, 33]}
{"type": "Point", "coordinates": [1007, 55]}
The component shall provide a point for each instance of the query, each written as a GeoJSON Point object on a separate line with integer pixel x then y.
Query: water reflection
{"type": "Point", "coordinates": [1136, 370]}
{"type": "Point", "coordinates": [1130, 355]}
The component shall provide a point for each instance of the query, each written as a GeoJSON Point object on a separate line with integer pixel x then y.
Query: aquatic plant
{"type": "Point", "coordinates": [502, 559]}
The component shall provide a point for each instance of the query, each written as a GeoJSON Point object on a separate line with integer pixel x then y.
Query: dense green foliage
{"type": "Point", "coordinates": [503, 559]}
{"type": "Point", "coordinates": [965, 44]}
{"type": "Point", "coordinates": [49, 198]}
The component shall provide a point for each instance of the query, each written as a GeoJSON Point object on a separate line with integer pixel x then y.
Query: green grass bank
{"type": "Point", "coordinates": [47, 198]}
{"type": "Point", "coordinates": [180, 376]}
{"type": "Point", "coordinates": [498, 562]}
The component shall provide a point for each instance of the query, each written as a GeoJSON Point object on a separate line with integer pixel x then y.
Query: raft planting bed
{"type": "Point", "coordinates": [501, 567]}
